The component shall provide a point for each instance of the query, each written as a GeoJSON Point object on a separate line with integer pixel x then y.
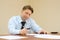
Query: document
{"type": "Point", "coordinates": [12, 37]}
{"type": "Point", "coordinates": [32, 34]}
{"type": "Point", "coordinates": [48, 36]}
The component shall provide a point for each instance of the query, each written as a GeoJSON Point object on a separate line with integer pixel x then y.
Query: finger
{"type": "Point", "coordinates": [41, 32]}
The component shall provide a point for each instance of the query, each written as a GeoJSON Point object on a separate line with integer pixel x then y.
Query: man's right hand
{"type": "Point", "coordinates": [23, 31]}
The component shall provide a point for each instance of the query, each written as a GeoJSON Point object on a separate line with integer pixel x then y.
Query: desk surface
{"type": "Point", "coordinates": [29, 38]}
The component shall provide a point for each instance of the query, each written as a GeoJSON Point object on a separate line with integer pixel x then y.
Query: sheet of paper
{"type": "Point", "coordinates": [47, 36]}
{"type": "Point", "coordinates": [32, 34]}
{"type": "Point", "coordinates": [12, 37]}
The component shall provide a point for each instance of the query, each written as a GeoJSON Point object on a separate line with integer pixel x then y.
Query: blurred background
{"type": "Point", "coordinates": [46, 13]}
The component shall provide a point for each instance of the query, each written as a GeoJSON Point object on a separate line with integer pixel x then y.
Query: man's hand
{"type": "Point", "coordinates": [23, 31]}
{"type": "Point", "coordinates": [42, 32]}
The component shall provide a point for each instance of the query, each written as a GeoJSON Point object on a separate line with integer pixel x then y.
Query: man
{"type": "Point", "coordinates": [24, 24]}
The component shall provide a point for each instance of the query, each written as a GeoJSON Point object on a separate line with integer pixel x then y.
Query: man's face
{"type": "Point", "coordinates": [26, 14]}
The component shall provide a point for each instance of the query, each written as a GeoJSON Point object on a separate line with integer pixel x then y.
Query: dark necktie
{"type": "Point", "coordinates": [23, 23]}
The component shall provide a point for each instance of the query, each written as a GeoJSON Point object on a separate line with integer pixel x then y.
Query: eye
{"type": "Point", "coordinates": [28, 13]}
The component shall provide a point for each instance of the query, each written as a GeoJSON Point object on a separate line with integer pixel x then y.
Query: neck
{"type": "Point", "coordinates": [22, 18]}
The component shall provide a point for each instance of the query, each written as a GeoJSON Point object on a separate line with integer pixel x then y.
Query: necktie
{"type": "Point", "coordinates": [23, 23]}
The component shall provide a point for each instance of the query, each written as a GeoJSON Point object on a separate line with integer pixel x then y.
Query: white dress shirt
{"type": "Point", "coordinates": [14, 25]}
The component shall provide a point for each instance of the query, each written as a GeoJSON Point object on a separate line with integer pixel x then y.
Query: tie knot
{"type": "Point", "coordinates": [23, 23]}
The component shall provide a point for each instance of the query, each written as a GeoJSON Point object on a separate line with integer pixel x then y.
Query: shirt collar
{"type": "Point", "coordinates": [20, 19]}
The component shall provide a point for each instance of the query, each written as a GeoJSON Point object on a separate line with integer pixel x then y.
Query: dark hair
{"type": "Point", "coordinates": [28, 7]}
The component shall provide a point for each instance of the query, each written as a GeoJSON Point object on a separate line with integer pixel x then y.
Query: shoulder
{"type": "Point", "coordinates": [14, 18]}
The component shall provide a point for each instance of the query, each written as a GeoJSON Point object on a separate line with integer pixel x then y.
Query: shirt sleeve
{"type": "Point", "coordinates": [12, 25]}
{"type": "Point", "coordinates": [35, 27]}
